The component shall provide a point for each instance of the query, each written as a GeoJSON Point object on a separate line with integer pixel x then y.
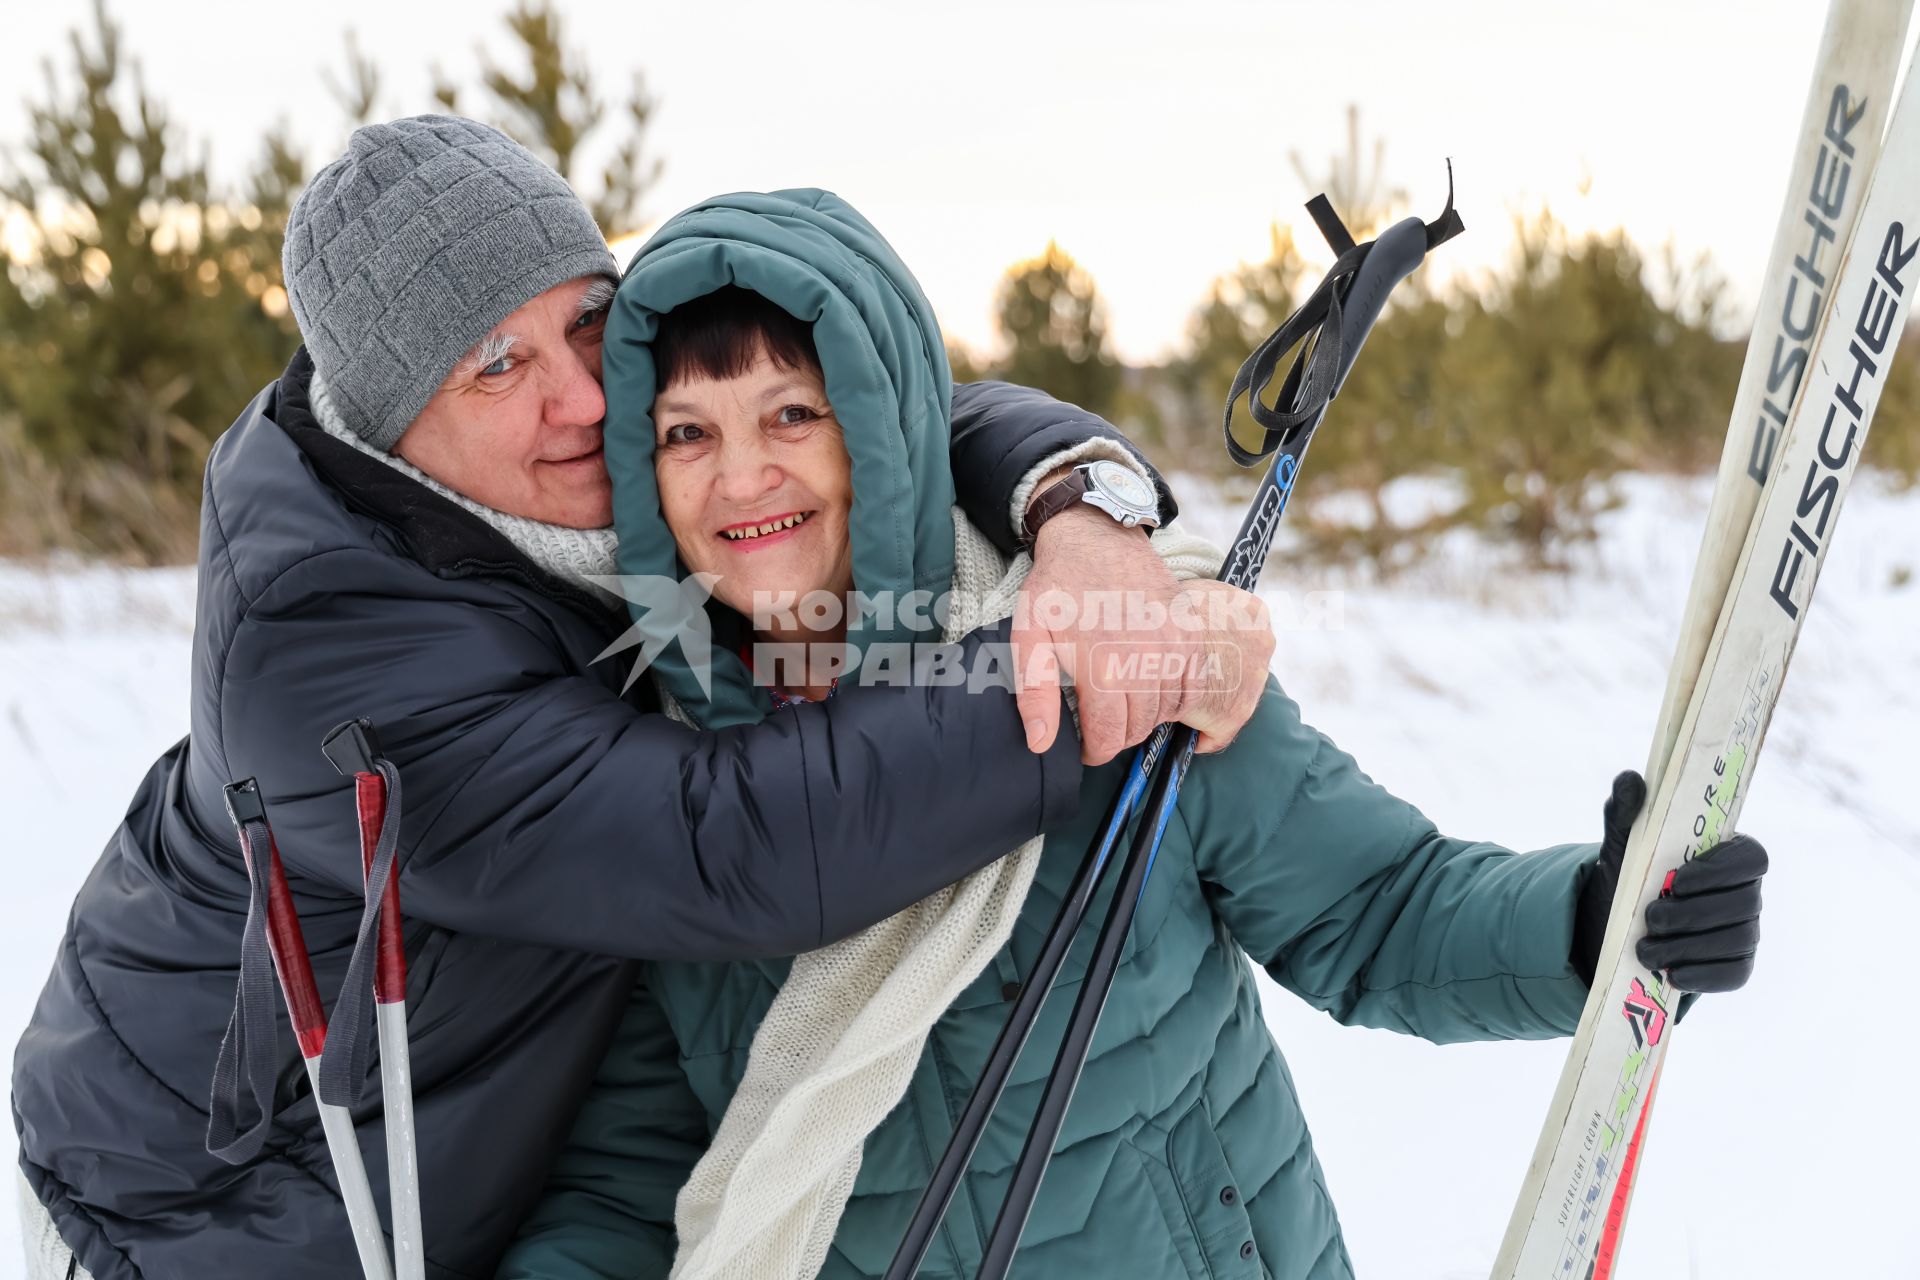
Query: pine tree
{"type": "Point", "coordinates": [1355, 183]}
{"type": "Point", "coordinates": [1894, 446]}
{"type": "Point", "coordinates": [1049, 316]}
{"type": "Point", "coordinates": [1241, 309]}
{"type": "Point", "coordinates": [551, 107]}
{"type": "Point", "coordinates": [1578, 371]}
{"type": "Point", "coordinates": [134, 327]}
{"type": "Point", "coordinates": [358, 92]}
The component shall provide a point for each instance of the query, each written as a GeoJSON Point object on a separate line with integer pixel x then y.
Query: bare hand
{"type": "Point", "coordinates": [1141, 647]}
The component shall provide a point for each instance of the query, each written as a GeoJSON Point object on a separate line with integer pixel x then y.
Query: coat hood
{"type": "Point", "coordinates": [811, 254]}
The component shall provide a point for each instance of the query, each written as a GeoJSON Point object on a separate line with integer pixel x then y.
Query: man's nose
{"type": "Point", "coordinates": [575, 399]}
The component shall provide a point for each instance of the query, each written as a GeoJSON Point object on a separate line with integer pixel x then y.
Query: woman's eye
{"type": "Point", "coordinates": [794, 414]}
{"type": "Point", "coordinates": [685, 433]}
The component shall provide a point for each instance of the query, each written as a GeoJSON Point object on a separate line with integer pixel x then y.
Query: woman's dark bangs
{"type": "Point", "coordinates": [717, 335]}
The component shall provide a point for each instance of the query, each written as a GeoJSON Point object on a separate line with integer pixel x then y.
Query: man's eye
{"type": "Point", "coordinates": [498, 367]}
{"type": "Point", "coordinates": [588, 319]}
{"type": "Point", "coordinates": [685, 433]}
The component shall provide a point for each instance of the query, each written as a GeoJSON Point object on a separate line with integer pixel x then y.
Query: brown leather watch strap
{"type": "Point", "coordinates": [1054, 499]}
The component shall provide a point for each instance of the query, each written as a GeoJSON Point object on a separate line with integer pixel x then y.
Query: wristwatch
{"type": "Point", "coordinates": [1109, 486]}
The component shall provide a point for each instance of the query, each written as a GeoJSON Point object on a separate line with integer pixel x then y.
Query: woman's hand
{"type": "Point", "coordinates": [1141, 647]}
{"type": "Point", "coordinates": [1703, 928]}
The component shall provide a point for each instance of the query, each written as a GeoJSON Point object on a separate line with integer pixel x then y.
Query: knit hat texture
{"type": "Point", "coordinates": [412, 246]}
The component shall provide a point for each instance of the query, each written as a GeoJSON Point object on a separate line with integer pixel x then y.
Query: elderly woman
{"type": "Point", "coordinates": [780, 1120]}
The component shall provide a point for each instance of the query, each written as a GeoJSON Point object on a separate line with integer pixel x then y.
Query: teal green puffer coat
{"type": "Point", "coordinates": [1185, 1153]}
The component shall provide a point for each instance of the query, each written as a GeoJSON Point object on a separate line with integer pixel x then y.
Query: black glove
{"type": "Point", "coordinates": [1703, 928]}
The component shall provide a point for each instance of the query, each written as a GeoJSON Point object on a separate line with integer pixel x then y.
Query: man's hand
{"type": "Point", "coordinates": [1141, 647]}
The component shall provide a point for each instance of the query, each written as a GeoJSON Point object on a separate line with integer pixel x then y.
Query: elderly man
{"type": "Point", "coordinates": [403, 527]}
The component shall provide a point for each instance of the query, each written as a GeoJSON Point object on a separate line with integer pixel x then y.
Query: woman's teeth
{"type": "Point", "coordinates": [771, 526]}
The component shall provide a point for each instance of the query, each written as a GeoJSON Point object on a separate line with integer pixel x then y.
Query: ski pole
{"type": "Point", "coordinates": [354, 749]}
{"type": "Point", "coordinates": [1374, 271]}
{"type": "Point", "coordinates": [1019, 1024]}
{"type": "Point", "coordinates": [1361, 280]}
{"type": "Point", "coordinates": [309, 1018]}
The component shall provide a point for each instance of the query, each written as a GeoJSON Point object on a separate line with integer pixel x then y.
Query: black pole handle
{"type": "Point", "coordinates": [1400, 250]}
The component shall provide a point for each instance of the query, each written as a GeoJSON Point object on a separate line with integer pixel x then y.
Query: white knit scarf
{"type": "Point", "coordinates": [572, 555]}
{"type": "Point", "coordinates": [840, 1041]}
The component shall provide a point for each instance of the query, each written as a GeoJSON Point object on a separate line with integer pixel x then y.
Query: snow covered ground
{"type": "Point", "coordinates": [1502, 702]}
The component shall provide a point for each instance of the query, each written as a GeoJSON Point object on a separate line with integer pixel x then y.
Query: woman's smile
{"type": "Point", "coordinates": [758, 535]}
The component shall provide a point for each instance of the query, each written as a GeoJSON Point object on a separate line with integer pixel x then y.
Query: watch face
{"type": "Point", "coordinates": [1123, 486]}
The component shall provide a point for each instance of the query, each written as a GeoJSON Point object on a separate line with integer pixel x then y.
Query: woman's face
{"type": "Point", "coordinates": [755, 483]}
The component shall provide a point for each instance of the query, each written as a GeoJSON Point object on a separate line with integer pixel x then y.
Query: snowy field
{"type": "Point", "coordinates": [1502, 702]}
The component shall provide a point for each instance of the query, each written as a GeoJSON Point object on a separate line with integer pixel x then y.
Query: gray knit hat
{"type": "Point", "coordinates": [407, 250]}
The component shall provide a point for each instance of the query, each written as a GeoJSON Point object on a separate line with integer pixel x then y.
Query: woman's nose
{"type": "Point", "coordinates": [747, 469]}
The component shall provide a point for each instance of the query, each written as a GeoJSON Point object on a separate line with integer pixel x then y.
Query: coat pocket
{"type": "Point", "coordinates": [1173, 1209]}
{"type": "Point", "coordinates": [1212, 1198]}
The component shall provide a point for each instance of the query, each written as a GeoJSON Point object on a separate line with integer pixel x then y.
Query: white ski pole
{"type": "Point", "coordinates": [309, 1018]}
{"type": "Point", "coordinates": [354, 750]}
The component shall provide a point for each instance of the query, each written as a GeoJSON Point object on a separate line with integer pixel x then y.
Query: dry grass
{"type": "Point", "coordinates": [95, 508]}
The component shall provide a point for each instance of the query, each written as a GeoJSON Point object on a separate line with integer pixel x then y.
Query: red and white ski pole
{"type": "Point", "coordinates": [354, 750]}
{"type": "Point", "coordinates": [309, 1017]}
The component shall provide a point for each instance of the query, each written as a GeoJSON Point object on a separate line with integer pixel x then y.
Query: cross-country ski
{"type": "Point", "coordinates": [1850, 258]}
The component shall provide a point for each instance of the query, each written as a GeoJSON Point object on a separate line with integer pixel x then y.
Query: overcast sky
{"type": "Point", "coordinates": [1151, 140]}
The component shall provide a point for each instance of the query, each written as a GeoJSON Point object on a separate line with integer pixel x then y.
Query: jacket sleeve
{"type": "Point", "coordinates": [1001, 433]}
{"type": "Point", "coordinates": [608, 1207]}
{"type": "Point", "coordinates": [1352, 900]}
{"type": "Point", "coordinates": [540, 806]}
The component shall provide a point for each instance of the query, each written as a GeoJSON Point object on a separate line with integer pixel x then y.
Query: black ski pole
{"type": "Point", "coordinates": [1361, 279]}
{"type": "Point", "coordinates": [1019, 1025]}
{"type": "Point", "coordinates": [1352, 311]}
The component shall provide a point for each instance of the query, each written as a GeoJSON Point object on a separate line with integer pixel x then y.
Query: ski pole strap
{"type": "Point", "coordinates": [1315, 328]}
{"type": "Point", "coordinates": [343, 1065]}
{"type": "Point", "coordinates": [1311, 380]}
{"type": "Point", "coordinates": [1334, 231]}
{"type": "Point", "coordinates": [247, 1050]}
{"type": "Point", "coordinates": [1448, 224]}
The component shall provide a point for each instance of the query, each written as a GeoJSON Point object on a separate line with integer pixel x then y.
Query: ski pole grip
{"type": "Point", "coordinates": [285, 940]}
{"type": "Point", "coordinates": [244, 803]}
{"type": "Point", "coordinates": [1394, 256]}
{"type": "Point", "coordinates": [390, 966]}
{"type": "Point", "coordinates": [351, 747]}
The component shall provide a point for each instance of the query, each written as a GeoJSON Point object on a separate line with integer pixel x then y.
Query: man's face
{"type": "Point", "coordinates": [517, 425]}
